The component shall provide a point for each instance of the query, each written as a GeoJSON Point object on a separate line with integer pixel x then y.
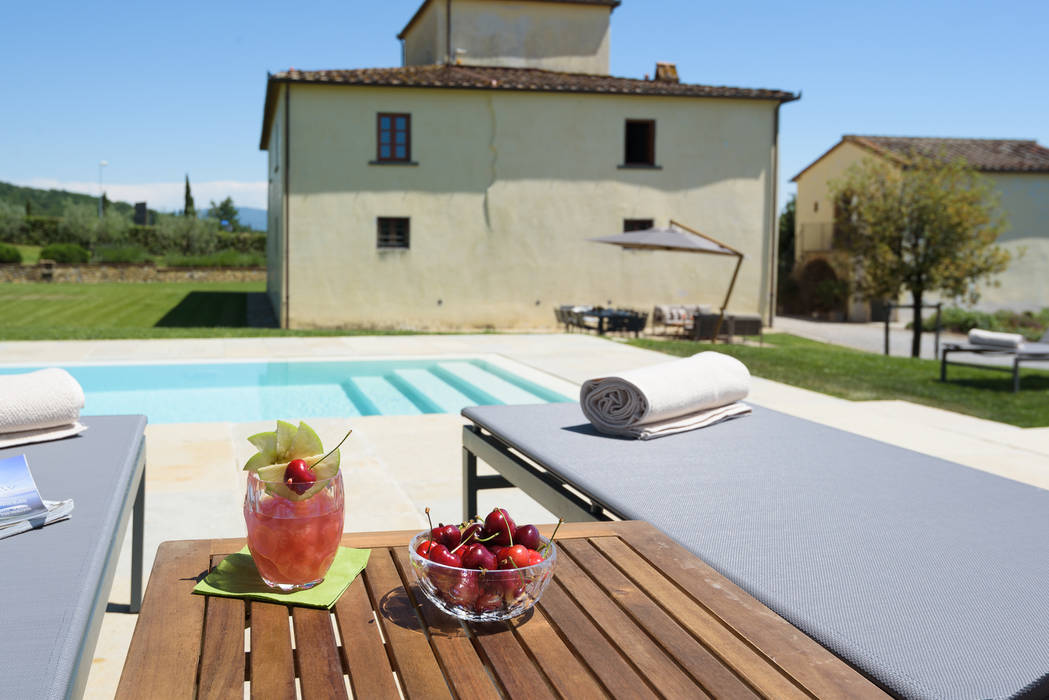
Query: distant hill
{"type": "Point", "coordinates": [51, 202]}
{"type": "Point", "coordinates": [257, 219]}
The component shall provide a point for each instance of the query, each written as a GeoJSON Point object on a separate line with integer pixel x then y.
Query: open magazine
{"type": "Point", "coordinates": [21, 507]}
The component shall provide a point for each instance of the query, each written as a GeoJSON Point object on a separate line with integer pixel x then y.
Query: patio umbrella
{"type": "Point", "coordinates": [679, 238]}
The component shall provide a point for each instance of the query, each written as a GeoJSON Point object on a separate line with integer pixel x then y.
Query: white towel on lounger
{"type": "Point", "coordinates": [667, 398]}
{"type": "Point", "coordinates": [998, 340]}
{"type": "Point", "coordinates": [39, 406]}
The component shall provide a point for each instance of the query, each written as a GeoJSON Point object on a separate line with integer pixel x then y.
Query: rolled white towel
{"type": "Point", "coordinates": [998, 340]}
{"type": "Point", "coordinates": [39, 406]}
{"type": "Point", "coordinates": [667, 398]}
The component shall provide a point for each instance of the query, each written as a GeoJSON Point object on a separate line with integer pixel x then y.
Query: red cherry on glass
{"type": "Point", "coordinates": [298, 476]}
{"type": "Point", "coordinates": [528, 535]}
{"type": "Point", "coordinates": [534, 558]}
{"type": "Point", "coordinates": [472, 533]}
{"type": "Point", "coordinates": [423, 550]}
{"type": "Point", "coordinates": [500, 524]}
{"type": "Point", "coordinates": [518, 554]}
{"type": "Point", "coordinates": [448, 535]}
{"type": "Point", "coordinates": [439, 554]}
{"type": "Point", "coordinates": [477, 556]}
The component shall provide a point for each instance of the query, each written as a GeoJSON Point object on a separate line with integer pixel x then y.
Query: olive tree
{"type": "Point", "coordinates": [922, 225]}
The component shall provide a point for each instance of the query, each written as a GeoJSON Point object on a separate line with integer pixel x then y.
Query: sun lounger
{"type": "Point", "coordinates": [927, 576]}
{"type": "Point", "coordinates": [1026, 352]}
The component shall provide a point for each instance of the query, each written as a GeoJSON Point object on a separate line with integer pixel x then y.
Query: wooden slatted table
{"type": "Point", "coordinates": [629, 614]}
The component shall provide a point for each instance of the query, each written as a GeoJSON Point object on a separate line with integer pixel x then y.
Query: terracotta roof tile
{"type": "Point", "coordinates": [988, 155]}
{"type": "Point", "coordinates": [524, 79]}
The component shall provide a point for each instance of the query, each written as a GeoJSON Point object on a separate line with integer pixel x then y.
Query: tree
{"type": "Point", "coordinates": [187, 208]}
{"type": "Point", "coordinates": [925, 225]}
{"type": "Point", "coordinates": [225, 211]}
{"type": "Point", "coordinates": [785, 253]}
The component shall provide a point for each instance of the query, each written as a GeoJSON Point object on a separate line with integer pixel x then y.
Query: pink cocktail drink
{"type": "Point", "coordinates": [294, 542]}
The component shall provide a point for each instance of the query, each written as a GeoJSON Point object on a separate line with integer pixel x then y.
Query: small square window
{"type": "Point", "coordinates": [640, 142]}
{"type": "Point", "coordinates": [394, 137]}
{"type": "Point", "coordinates": [393, 232]}
{"type": "Point", "coordinates": [637, 225]}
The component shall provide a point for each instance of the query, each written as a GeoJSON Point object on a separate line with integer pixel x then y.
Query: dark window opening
{"type": "Point", "coordinates": [393, 232]}
{"type": "Point", "coordinates": [637, 225]}
{"type": "Point", "coordinates": [640, 142]}
{"type": "Point", "coordinates": [394, 137]}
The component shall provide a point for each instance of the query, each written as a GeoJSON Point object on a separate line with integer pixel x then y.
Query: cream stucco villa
{"type": "Point", "coordinates": [459, 190]}
{"type": "Point", "coordinates": [1018, 169]}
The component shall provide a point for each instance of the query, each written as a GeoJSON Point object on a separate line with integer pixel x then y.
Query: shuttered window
{"type": "Point", "coordinates": [394, 137]}
{"type": "Point", "coordinates": [393, 232]}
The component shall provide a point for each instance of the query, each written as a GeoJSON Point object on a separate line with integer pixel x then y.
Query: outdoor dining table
{"type": "Point", "coordinates": [629, 613]}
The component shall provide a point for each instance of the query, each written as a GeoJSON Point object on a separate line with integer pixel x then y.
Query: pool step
{"type": "Point", "coordinates": [369, 392]}
{"type": "Point", "coordinates": [446, 387]}
{"type": "Point", "coordinates": [466, 376]}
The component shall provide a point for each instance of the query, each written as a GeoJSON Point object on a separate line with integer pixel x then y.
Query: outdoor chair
{"type": "Point", "coordinates": [678, 316]}
{"type": "Point", "coordinates": [1026, 352]}
{"type": "Point", "coordinates": [704, 325]}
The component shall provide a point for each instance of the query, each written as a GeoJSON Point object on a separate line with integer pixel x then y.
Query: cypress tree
{"type": "Point", "coordinates": [188, 209]}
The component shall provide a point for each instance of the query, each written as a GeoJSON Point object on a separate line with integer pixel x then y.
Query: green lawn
{"type": "Point", "coordinates": [862, 376]}
{"type": "Point", "coordinates": [42, 311]}
{"type": "Point", "coordinates": [30, 253]}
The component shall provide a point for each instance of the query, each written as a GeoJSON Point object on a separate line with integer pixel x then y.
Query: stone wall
{"type": "Point", "coordinates": [126, 272]}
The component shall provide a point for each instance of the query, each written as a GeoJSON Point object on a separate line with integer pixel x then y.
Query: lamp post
{"type": "Point", "coordinates": [101, 192]}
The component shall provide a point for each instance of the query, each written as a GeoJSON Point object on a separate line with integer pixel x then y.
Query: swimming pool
{"type": "Point", "coordinates": [249, 391]}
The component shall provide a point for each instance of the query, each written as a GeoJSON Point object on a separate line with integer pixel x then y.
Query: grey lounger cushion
{"type": "Point", "coordinates": [930, 577]}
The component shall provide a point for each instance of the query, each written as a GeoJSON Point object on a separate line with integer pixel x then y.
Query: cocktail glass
{"type": "Point", "coordinates": [294, 542]}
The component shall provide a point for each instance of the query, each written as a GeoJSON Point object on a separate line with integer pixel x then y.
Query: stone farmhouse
{"type": "Point", "coordinates": [1018, 169]}
{"type": "Point", "coordinates": [460, 189]}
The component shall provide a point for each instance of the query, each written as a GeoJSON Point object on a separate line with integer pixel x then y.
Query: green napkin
{"type": "Point", "coordinates": [237, 577]}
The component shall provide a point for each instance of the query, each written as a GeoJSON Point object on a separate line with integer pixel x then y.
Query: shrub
{"type": "Point", "coordinates": [112, 228]}
{"type": "Point", "coordinates": [245, 241]}
{"type": "Point", "coordinates": [12, 223]}
{"type": "Point", "coordinates": [187, 235]}
{"type": "Point", "coordinates": [958, 320]}
{"type": "Point", "coordinates": [120, 254]}
{"type": "Point", "coordinates": [65, 253]}
{"type": "Point", "coordinates": [40, 230]}
{"type": "Point", "coordinates": [222, 258]}
{"type": "Point", "coordinates": [9, 254]}
{"type": "Point", "coordinates": [79, 225]}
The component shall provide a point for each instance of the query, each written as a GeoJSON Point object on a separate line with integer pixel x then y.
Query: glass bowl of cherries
{"type": "Point", "coordinates": [483, 571]}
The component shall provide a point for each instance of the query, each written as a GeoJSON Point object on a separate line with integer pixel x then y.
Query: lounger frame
{"type": "Point", "coordinates": [1018, 354]}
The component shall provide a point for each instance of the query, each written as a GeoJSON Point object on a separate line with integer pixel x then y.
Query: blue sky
{"type": "Point", "coordinates": [162, 89]}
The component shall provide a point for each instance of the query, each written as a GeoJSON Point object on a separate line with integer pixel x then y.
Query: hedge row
{"type": "Point", "coordinates": [172, 235]}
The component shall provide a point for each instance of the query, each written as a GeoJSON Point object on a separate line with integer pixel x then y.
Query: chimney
{"type": "Point", "coordinates": [666, 73]}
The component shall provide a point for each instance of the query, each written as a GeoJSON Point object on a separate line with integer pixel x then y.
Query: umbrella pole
{"type": "Point", "coordinates": [735, 273]}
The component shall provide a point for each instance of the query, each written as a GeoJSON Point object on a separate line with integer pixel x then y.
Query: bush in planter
{"type": "Point", "coordinates": [65, 253]}
{"type": "Point", "coordinates": [9, 254]}
{"type": "Point", "coordinates": [120, 254]}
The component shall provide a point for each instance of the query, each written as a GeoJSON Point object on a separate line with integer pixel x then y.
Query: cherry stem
{"type": "Point", "coordinates": [429, 521]}
{"type": "Point", "coordinates": [549, 545]}
{"type": "Point", "coordinates": [332, 449]}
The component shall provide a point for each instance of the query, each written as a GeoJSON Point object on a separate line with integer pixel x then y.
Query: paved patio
{"type": "Point", "coordinates": [396, 466]}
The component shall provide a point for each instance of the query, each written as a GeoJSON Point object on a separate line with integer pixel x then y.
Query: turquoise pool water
{"type": "Point", "coordinates": [249, 391]}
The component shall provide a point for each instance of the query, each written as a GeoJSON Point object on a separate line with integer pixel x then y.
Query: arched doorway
{"type": "Point", "coordinates": [822, 292]}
